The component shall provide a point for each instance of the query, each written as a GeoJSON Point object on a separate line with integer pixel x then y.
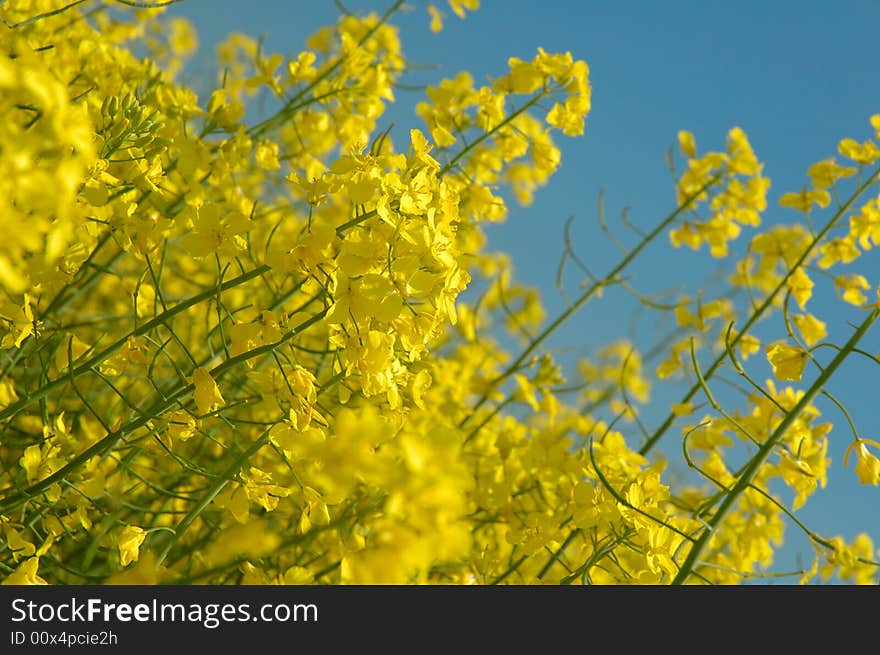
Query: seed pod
{"type": "Point", "coordinates": [143, 141]}
{"type": "Point", "coordinates": [137, 118]}
{"type": "Point", "coordinates": [128, 102]}
{"type": "Point", "coordinates": [119, 128]}
{"type": "Point", "coordinates": [155, 151]}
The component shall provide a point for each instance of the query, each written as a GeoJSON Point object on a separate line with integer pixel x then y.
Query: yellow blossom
{"type": "Point", "coordinates": [867, 464]}
{"type": "Point", "coordinates": [862, 153]}
{"type": "Point", "coordinates": [787, 361]}
{"type": "Point", "coordinates": [687, 143]}
{"type": "Point", "coordinates": [129, 543]}
{"type": "Point", "coordinates": [436, 18]}
{"type": "Point", "coordinates": [207, 393]}
{"type": "Point", "coordinates": [850, 288]}
{"type": "Point", "coordinates": [804, 200]}
{"type": "Point", "coordinates": [25, 574]}
{"type": "Point", "coordinates": [801, 287]}
{"type": "Point", "coordinates": [826, 172]}
{"type": "Point", "coordinates": [811, 328]}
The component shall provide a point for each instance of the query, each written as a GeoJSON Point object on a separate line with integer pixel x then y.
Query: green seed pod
{"type": "Point", "coordinates": [119, 128]}
{"type": "Point", "coordinates": [137, 118]}
{"type": "Point", "coordinates": [155, 151]}
{"type": "Point", "coordinates": [143, 141]}
{"type": "Point", "coordinates": [105, 108]}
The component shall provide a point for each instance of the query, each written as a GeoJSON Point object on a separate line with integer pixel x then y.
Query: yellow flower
{"type": "Point", "coordinates": [687, 143]}
{"type": "Point", "coordinates": [22, 325]}
{"type": "Point", "coordinates": [845, 560]}
{"type": "Point", "coordinates": [570, 122]}
{"type": "Point", "coordinates": [685, 235]}
{"type": "Point", "coordinates": [298, 575]}
{"type": "Point", "coordinates": [129, 544]}
{"type": "Point", "coordinates": [749, 345]}
{"type": "Point", "coordinates": [206, 394]}
{"type": "Point", "coordinates": [302, 70]}
{"type": "Point", "coordinates": [25, 574]}
{"type": "Point", "coordinates": [804, 200]}
{"type": "Point", "coordinates": [810, 573]}
{"type": "Point", "coordinates": [420, 384]}
{"type": "Point", "coordinates": [826, 172]}
{"type": "Point", "coordinates": [266, 155]}
{"type": "Point", "coordinates": [798, 475]}
{"type": "Point", "coordinates": [811, 328]}
{"type": "Point", "coordinates": [7, 393]}
{"type": "Point", "coordinates": [742, 157]}
{"type": "Point", "coordinates": [842, 250]}
{"type": "Point", "coordinates": [524, 77]}
{"type": "Point", "coordinates": [525, 392]}
{"type": "Point", "coordinates": [436, 18]}
{"type": "Point", "coordinates": [850, 288]}
{"type": "Point", "coordinates": [863, 153]}
{"type": "Point", "coordinates": [682, 409]}
{"type": "Point", "coordinates": [19, 546]}
{"type": "Point", "coordinates": [31, 461]}
{"type": "Point", "coordinates": [787, 361]}
{"type": "Point", "coordinates": [867, 466]}
{"type": "Point", "coordinates": [182, 37]}
{"type": "Point", "coordinates": [146, 572]}
{"type": "Point", "coordinates": [865, 226]}
{"type": "Point", "coordinates": [801, 287]}
{"type": "Point", "coordinates": [216, 230]}
{"type": "Point", "coordinates": [460, 6]}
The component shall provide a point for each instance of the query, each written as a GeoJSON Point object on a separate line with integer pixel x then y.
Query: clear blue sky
{"type": "Point", "coordinates": [796, 76]}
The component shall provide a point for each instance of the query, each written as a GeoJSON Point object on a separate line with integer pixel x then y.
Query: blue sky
{"type": "Point", "coordinates": [796, 76]}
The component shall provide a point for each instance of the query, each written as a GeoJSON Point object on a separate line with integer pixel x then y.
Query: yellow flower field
{"type": "Point", "coordinates": [238, 350]}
